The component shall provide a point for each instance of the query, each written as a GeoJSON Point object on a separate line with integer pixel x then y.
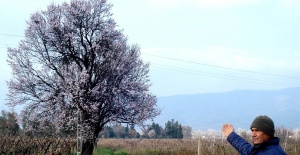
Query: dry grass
{"type": "Point", "coordinates": [180, 146]}
{"type": "Point", "coordinates": [166, 146]}
{"type": "Point", "coordinates": [27, 146]}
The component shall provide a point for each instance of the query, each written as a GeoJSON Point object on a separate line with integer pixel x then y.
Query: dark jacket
{"type": "Point", "coordinates": [271, 147]}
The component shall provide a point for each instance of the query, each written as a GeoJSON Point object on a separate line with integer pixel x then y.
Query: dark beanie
{"type": "Point", "coordinates": [264, 124]}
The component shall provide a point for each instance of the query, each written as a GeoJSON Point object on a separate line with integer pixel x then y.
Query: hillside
{"type": "Point", "coordinates": [211, 110]}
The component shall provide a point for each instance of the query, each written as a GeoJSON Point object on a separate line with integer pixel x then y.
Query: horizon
{"type": "Point", "coordinates": [279, 117]}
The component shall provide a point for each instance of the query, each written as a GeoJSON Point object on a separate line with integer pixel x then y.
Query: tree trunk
{"type": "Point", "coordinates": [87, 147]}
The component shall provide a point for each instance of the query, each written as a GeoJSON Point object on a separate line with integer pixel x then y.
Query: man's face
{"type": "Point", "coordinates": [258, 136]}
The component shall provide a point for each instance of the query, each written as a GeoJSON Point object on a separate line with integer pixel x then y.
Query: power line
{"type": "Point", "coordinates": [215, 66]}
{"type": "Point", "coordinates": [187, 61]}
{"type": "Point", "coordinates": [222, 76]}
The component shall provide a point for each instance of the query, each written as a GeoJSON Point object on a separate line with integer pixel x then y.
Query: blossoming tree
{"type": "Point", "coordinates": [73, 58]}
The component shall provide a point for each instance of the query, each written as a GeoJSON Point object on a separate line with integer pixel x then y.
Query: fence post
{"type": "Point", "coordinates": [286, 138]}
{"type": "Point", "coordinates": [199, 146]}
{"type": "Point", "coordinates": [79, 134]}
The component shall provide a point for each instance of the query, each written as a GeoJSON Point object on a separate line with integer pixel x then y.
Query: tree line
{"type": "Point", "coordinates": [9, 123]}
{"type": "Point", "coordinates": [10, 126]}
{"type": "Point", "coordinates": [172, 129]}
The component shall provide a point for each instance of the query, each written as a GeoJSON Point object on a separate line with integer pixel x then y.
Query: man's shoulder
{"type": "Point", "coordinates": [271, 147]}
{"type": "Point", "coordinates": [275, 149]}
{"type": "Point", "coordinates": [275, 152]}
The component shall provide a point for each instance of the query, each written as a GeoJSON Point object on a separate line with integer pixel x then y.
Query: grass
{"type": "Point", "coordinates": [107, 151]}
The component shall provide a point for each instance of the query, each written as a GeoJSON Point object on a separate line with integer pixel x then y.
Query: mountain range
{"type": "Point", "coordinates": [239, 108]}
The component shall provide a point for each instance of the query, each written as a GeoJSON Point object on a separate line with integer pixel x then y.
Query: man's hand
{"type": "Point", "coordinates": [227, 129]}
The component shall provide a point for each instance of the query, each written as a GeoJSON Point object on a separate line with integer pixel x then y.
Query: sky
{"type": "Point", "coordinates": [193, 46]}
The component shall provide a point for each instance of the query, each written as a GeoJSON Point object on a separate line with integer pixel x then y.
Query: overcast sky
{"type": "Point", "coordinates": [193, 46]}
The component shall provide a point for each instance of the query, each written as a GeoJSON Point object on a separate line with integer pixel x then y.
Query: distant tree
{"type": "Point", "coordinates": [131, 127]}
{"type": "Point", "coordinates": [187, 132]}
{"type": "Point", "coordinates": [119, 131]}
{"type": "Point", "coordinates": [151, 134]}
{"type": "Point", "coordinates": [132, 133]}
{"type": "Point", "coordinates": [245, 135]}
{"type": "Point", "coordinates": [282, 133]}
{"type": "Point", "coordinates": [173, 129]}
{"type": "Point", "coordinates": [126, 130]}
{"type": "Point", "coordinates": [74, 61]}
{"type": "Point", "coordinates": [107, 132]}
{"type": "Point", "coordinates": [144, 129]}
{"type": "Point", "coordinates": [158, 130]}
{"type": "Point", "coordinates": [9, 123]}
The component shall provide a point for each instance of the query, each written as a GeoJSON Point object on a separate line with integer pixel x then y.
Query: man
{"type": "Point", "coordinates": [264, 142]}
